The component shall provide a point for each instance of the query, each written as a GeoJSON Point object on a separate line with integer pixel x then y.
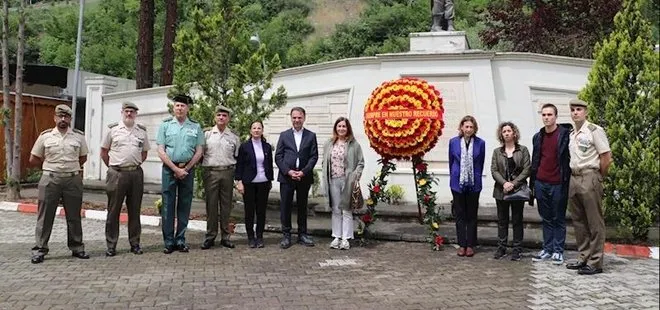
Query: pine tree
{"type": "Point", "coordinates": [624, 97]}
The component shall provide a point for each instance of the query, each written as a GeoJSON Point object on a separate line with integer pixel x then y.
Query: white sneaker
{"type": "Point", "coordinates": [557, 259]}
{"type": "Point", "coordinates": [542, 256]}
{"type": "Point", "coordinates": [345, 245]}
{"type": "Point", "coordinates": [335, 243]}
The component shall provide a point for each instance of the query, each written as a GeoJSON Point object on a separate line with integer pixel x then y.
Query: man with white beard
{"type": "Point", "coordinates": [123, 150]}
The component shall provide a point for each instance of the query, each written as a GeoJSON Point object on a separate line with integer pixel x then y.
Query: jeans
{"type": "Point", "coordinates": [177, 194]}
{"type": "Point", "coordinates": [503, 223]}
{"type": "Point", "coordinates": [552, 200]}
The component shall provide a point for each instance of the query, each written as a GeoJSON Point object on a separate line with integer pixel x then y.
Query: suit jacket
{"type": "Point", "coordinates": [287, 153]}
{"type": "Point", "coordinates": [478, 156]}
{"type": "Point", "coordinates": [246, 163]}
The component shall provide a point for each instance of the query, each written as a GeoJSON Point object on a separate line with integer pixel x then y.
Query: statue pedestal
{"type": "Point", "coordinates": [439, 42]}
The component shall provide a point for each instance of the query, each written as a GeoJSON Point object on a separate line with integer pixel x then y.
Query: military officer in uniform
{"type": "Point", "coordinates": [61, 151]}
{"type": "Point", "coordinates": [123, 150]}
{"type": "Point", "coordinates": [590, 161]}
{"type": "Point", "coordinates": [220, 152]}
{"type": "Point", "coordinates": [180, 146]}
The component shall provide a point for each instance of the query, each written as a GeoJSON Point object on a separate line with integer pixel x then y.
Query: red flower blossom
{"type": "Point", "coordinates": [427, 198]}
{"type": "Point", "coordinates": [421, 167]}
{"type": "Point", "coordinates": [367, 218]}
{"type": "Point", "coordinates": [439, 240]}
{"type": "Point", "coordinates": [376, 189]}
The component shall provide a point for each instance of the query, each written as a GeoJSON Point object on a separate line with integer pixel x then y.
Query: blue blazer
{"type": "Point", "coordinates": [287, 153]}
{"type": "Point", "coordinates": [478, 155]}
{"type": "Point", "coordinates": [246, 163]}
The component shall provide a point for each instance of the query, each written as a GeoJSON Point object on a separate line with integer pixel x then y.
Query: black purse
{"type": "Point", "coordinates": [522, 193]}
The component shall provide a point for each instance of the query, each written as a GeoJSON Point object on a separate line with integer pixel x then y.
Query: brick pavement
{"type": "Point", "coordinates": [389, 275]}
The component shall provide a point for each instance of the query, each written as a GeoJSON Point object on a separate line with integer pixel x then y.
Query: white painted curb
{"type": "Point", "coordinates": [197, 225]}
{"type": "Point", "coordinates": [96, 215]}
{"type": "Point", "coordinates": [150, 220]}
{"type": "Point", "coordinates": [655, 252]}
{"type": "Point", "coordinates": [8, 206]}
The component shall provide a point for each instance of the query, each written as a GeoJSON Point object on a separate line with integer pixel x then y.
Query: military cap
{"type": "Point", "coordinates": [221, 108]}
{"type": "Point", "coordinates": [577, 102]}
{"type": "Point", "coordinates": [129, 105]}
{"type": "Point", "coordinates": [183, 99]}
{"type": "Point", "coordinates": [63, 109]}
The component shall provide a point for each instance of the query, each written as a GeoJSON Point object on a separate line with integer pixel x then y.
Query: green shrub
{"type": "Point", "coordinates": [394, 193]}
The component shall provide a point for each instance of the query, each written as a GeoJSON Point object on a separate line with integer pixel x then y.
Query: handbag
{"type": "Point", "coordinates": [357, 201]}
{"type": "Point", "coordinates": [522, 194]}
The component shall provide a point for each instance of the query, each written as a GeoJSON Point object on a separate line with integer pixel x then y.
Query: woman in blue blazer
{"type": "Point", "coordinates": [254, 173]}
{"type": "Point", "coordinates": [466, 164]}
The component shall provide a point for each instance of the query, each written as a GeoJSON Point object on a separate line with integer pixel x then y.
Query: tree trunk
{"type": "Point", "coordinates": [144, 73]}
{"type": "Point", "coordinates": [14, 188]}
{"type": "Point", "coordinates": [167, 73]}
{"type": "Point", "coordinates": [6, 106]}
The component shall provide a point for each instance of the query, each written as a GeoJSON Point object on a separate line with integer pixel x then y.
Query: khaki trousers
{"type": "Point", "coordinates": [120, 185]}
{"type": "Point", "coordinates": [585, 200]}
{"type": "Point", "coordinates": [52, 189]}
{"type": "Point", "coordinates": [219, 190]}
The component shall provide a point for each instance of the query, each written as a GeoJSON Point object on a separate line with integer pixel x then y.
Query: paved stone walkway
{"type": "Point", "coordinates": [388, 275]}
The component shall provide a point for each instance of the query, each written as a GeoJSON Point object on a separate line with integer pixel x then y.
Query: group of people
{"type": "Point", "coordinates": [226, 163]}
{"type": "Point", "coordinates": [567, 167]}
{"type": "Point", "coordinates": [567, 164]}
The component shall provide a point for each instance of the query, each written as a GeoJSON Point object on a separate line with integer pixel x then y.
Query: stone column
{"type": "Point", "coordinates": [96, 88]}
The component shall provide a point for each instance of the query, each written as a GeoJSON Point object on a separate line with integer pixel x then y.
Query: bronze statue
{"type": "Point", "coordinates": [443, 15]}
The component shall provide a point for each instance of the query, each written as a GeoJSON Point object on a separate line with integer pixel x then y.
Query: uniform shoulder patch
{"type": "Point", "coordinates": [592, 127]}
{"type": "Point", "coordinates": [79, 132]}
{"type": "Point", "coordinates": [167, 119]}
{"type": "Point", "coordinates": [112, 125]}
{"type": "Point", "coordinates": [141, 127]}
{"type": "Point", "coordinates": [46, 131]}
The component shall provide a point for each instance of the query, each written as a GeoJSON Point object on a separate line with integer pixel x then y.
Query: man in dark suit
{"type": "Point", "coordinates": [295, 157]}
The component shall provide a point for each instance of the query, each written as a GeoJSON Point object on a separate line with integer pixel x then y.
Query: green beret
{"type": "Point", "coordinates": [129, 105]}
{"type": "Point", "coordinates": [221, 108]}
{"type": "Point", "coordinates": [63, 109]}
{"type": "Point", "coordinates": [577, 102]}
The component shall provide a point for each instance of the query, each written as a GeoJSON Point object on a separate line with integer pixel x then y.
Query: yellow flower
{"type": "Point", "coordinates": [370, 202]}
{"type": "Point", "coordinates": [435, 225]}
{"type": "Point", "coordinates": [421, 182]}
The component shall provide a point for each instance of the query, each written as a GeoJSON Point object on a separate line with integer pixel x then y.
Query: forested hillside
{"type": "Point", "coordinates": [310, 31]}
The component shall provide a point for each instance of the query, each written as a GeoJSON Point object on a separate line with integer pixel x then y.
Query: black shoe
{"type": "Point", "coordinates": [588, 270]}
{"type": "Point", "coordinates": [576, 265]}
{"type": "Point", "coordinates": [183, 248]}
{"type": "Point", "coordinates": [252, 243]}
{"type": "Point", "coordinates": [227, 244]}
{"type": "Point", "coordinates": [168, 250]}
{"type": "Point", "coordinates": [81, 255]}
{"type": "Point", "coordinates": [286, 242]}
{"type": "Point", "coordinates": [136, 249]}
{"type": "Point", "coordinates": [37, 259]}
{"type": "Point", "coordinates": [208, 244]}
{"type": "Point", "coordinates": [515, 256]}
{"type": "Point", "coordinates": [305, 240]}
{"type": "Point", "coordinates": [499, 253]}
{"type": "Point", "coordinates": [260, 243]}
{"type": "Point", "coordinates": [110, 252]}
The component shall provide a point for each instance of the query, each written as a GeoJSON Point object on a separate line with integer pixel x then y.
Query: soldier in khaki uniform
{"type": "Point", "coordinates": [123, 150]}
{"type": "Point", "coordinates": [590, 160]}
{"type": "Point", "coordinates": [62, 150]}
{"type": "Point", "coordinates": [220, 152]}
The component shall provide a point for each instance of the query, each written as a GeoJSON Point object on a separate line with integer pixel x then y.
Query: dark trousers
{"type": "Point", "coordinates": [52, 189]}
{"type": "Point", "coordinates": [466, 205]}
{"type": "Point", "coordinates": [503, 223]}
{"type": "Point", "coordinates": [177, 194]}
{"type": "Point", "coordinates": [286, 204]}
{"type": "Point", "coordinates": [255, 198]}
{"type": "Point", "coordinates": [552, 200]}
{"type": "Point", "coordinates": [120, 185]}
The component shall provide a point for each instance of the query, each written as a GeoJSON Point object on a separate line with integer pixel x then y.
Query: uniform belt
{"type": "Point", "coordinates": [220, 168]}
{"type": "Point", "coordinates": [125, 168]}
{"type": "Point", "coordinates": [583, 171]}
{"type": "Point", "coordinates": [180, 164]}
{"type": "Point", "coordinates": [61, 174]}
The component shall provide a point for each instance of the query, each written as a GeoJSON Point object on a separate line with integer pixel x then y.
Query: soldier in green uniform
{"type": "Point", "coordinates": [60, 151]}
{"type": "Point", "coordinates": [220, 152]}
{"type": "Point", "coordinates": [180, 146]}
{"type": "Point", "coordinates": [590, 161]}
{"type": "Point", "coordinates": [123, 150]}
